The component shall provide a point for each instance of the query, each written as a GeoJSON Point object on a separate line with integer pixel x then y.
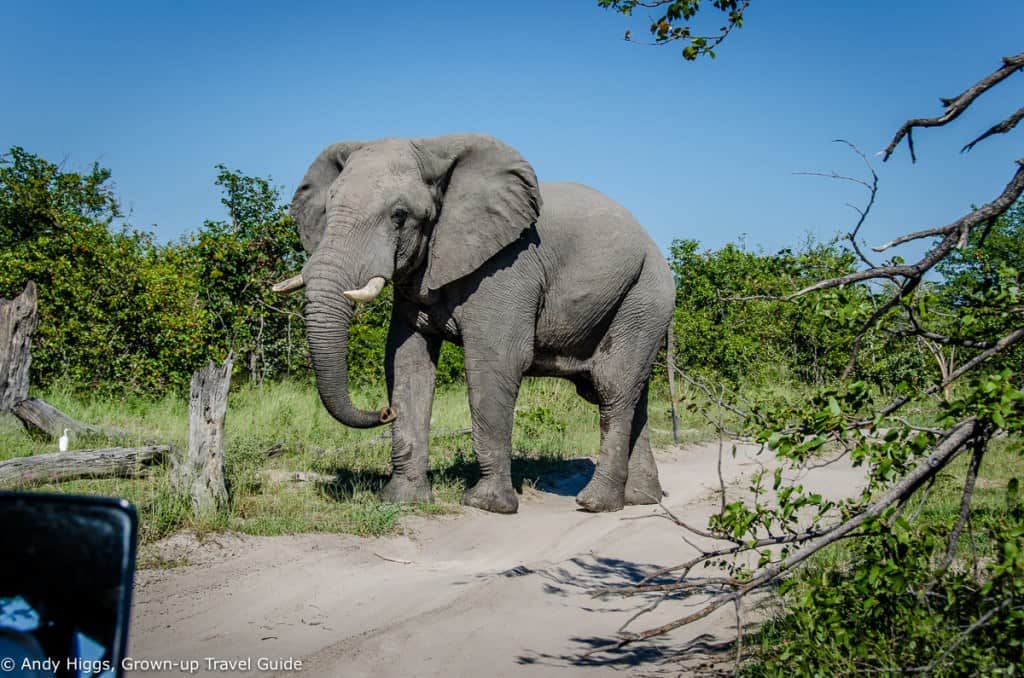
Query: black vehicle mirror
{"type": "Point", "coordinates": [66, 568]}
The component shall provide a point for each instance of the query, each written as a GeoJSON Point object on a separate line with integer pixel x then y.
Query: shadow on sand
{"type": "Point", "coordinates": [580, 576]}
{"type": "Point", "coordinates": [564, 477]}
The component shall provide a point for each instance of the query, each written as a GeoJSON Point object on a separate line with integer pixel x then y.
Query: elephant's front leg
{"type": "Point", "coordinates": [493, 380]}
{"type": "Point", "coordinates": [410, 367]}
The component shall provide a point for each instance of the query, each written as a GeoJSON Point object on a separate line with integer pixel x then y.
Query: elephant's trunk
{"type": "Point", "coordinates": [328, 315]}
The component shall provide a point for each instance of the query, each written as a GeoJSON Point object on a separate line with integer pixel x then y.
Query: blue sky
{"type": "Point", "coordinates": [160, 93]}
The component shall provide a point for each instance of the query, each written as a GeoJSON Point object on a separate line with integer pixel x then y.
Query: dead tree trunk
{"type": "Point", "coordinates": [670, 356]}
{"type": "Point", "coordinates": [117, 462]}
{"type": "Point", "coordinates": [40, 416]}
{"type": "Point", "coordinates": [200, 473]}
{"type": "Point", "coordinates": [18, 320]}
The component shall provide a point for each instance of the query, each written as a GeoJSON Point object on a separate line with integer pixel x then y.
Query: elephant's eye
{"type": "Point", "coordinates": [399, 215]}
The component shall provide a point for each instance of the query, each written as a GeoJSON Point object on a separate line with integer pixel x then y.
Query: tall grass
{"type": "Point", "coordinates": [552, 424]}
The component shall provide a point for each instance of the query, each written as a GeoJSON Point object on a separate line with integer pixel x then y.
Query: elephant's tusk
{"type": "Point", "coordinates": [369, 292]}
{"type": "Point", "coordinates": [289, 285]}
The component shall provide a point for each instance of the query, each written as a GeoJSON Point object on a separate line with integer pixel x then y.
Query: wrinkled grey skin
{"type": "Point", "coordinates": [573, 289]}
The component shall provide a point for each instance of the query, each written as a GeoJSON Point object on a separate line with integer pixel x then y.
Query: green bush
{"type": "Point", "coordinates": [882, 602]}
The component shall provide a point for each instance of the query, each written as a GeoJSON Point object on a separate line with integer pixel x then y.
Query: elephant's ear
{"type": "Point", "coordinates": [490, 197]}
{"type": "Point", "coordinates": [309, 204]}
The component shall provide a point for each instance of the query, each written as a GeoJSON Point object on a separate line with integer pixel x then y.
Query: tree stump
{"type": "Point", "coordinates": [18, 319]}
{"type": "Point", "coordinates": [200, 472]}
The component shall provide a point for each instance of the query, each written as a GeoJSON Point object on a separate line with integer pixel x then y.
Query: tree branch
{"type": "Point", "coordinates": [965, 504]}
{"type": "Point", "coordinates": [955, 232]}
{"type": "Point", "coordinates": [1001, 128]}
{"type": "Point", "coordinates": [956, 105]}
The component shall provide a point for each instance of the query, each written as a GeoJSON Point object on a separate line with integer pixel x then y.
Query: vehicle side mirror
{"type": "Point", "coordinates": [66, 570]}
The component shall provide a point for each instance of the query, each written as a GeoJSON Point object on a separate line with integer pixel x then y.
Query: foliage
{"type": "Point", "coordinates": [677, 19]}
{"type": "Point", "coordinates": [238, 261]}
{"type": "Point", "coordinates": [38, 199]}
{"type": "Point", "coordinates": [115, 311]}
{"type": "Point", "coordinates": [883, 605]}
{"type": "Point", "coordinates": [982, 281]}
{"type": "Point", "coordinates": [735, 323]}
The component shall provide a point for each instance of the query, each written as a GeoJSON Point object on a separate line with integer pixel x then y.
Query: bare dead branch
{"type": "Point", "coordinates": [1000, 346]}
{"type": "Point", "coordinates": [924, 498]}
{"type": "Point", "coordinates": [827, 462]}
{"type": "Point", "coordinates": [668, 515]}
{"type": "Point", "coordinates": [700, 386]}
{"type": "Point", "coordinates": [738, 604]}
{"type": "Point", "coordinates": [920, 429]}
{"type": "Point", "coordinates": [758, 297]}
{"type": "Point", "coordinates": [721, 450]}
{"type": "Point", "coordinates": [1000, 128]}
{"type": "Point", "coordinates": [282, 311]}
{"type": "Point", "coordinates": [833, 175]}
{"type": "Point", "coordinates": [954, 232]}
{"type": "Point", "coordinates": [684, 568]}
{"type": "Point", "coordinates": [917, 235]}
{"type": "Point", "coordinates": [956, 105]}
{"type": "Point", "coordinates": [872, 191]}
{"type": "Point", "coordinates": [917, 330]}
{"type": "Point", "coordinates": [965, 502]}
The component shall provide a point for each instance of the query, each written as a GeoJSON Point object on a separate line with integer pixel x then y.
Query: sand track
{"type": "Point", "coordinates": [471, 595]}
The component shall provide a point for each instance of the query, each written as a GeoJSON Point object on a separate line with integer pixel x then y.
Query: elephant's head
{"type": "Point", "coordinates": [422, 212]}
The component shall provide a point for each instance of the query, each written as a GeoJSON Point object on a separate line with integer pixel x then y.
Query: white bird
{"type": "Point", "coordinates": [62, 444]}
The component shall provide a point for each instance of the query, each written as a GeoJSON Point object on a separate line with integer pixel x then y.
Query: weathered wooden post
{"type": "Point", "coordinates": [670, 366]}
{"type": "Point", "coordinates": [200, 472]}
{"type": "Point", "coordinates": [18, 319]}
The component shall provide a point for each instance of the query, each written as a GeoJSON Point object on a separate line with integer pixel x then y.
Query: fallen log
{"type": "Point", "coordinates": [113, 462]}
{"type": "Point", "coordinates": [277, 476]}
{"type": "Point", "coordinates": [39, 416]}
{"type": "Point", "coordinates": [42, 417]}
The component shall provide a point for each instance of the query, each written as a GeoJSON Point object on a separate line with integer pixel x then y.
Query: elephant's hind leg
{"type": "Point", "coordinates": [620, 370]}
{"type": "Point", "coordinates": [606, 489]}
{"type": "Point", "coordinates": [642, 484]}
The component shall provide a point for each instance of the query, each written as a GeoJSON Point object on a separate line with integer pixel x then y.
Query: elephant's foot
{"type": "Point", "coordinates": [401, 490]}
{"type": "Point", "coordinates": [642, 488]}
{"type": "Point", "coordinates": [492, 494]}
{"type": "Point", "coordinates": [600, 496]}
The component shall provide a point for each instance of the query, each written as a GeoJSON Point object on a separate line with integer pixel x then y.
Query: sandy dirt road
{"type": "Point", "coordinates": [470, 595]}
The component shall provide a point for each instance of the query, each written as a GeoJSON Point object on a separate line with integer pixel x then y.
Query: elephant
{"type": "Point", "coordinates": [531, 279]}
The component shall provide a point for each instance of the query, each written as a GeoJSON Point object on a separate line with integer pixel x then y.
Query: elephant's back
{"type": "Point", "coordinates": [568, 204]}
